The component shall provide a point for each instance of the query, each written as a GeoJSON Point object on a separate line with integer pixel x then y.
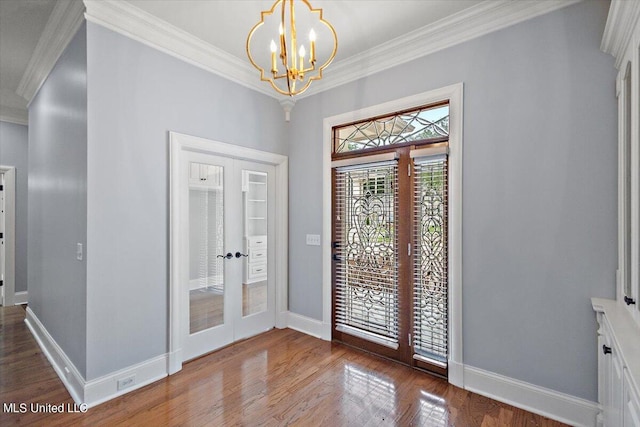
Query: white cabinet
{"type": "Point", "coordinates": [254, 187]}
{"type": "Point", "coordinates": [618, 365]}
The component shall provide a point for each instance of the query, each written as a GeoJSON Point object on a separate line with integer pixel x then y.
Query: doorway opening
{"type": "Point", "coordinates": [390, 236]}
{"type": "Point", "coordinates": [228, 237]}
{"type": "Point", "coordinates": [7, 235]}
{"type": "Point", "coordinates": [376, 285]}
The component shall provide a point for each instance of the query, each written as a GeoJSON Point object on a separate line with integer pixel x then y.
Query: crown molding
{"type": "Point", "coordinates": [622, 19]}
{"type": "Point", "coordinates": [133, 22]}
{"type": "Point", "coordinates": [486, 17]}
{"type": "Point", "coordinates": [476, 21]}
{"type": "Point", "coordinates": [62, 25]}
{"type": "Point", "coordinates": [17, 116]}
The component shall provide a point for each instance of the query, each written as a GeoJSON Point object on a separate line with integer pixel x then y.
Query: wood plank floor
{"type": "Point", "coordinates": [282, 377]}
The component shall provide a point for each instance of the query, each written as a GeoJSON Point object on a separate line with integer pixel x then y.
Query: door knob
{"type": "Point", "coordinates": [229, 255]}
{"type": "Point", "coordinates": [238, 255]}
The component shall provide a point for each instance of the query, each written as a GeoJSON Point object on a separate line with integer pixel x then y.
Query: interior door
{"type": "Point", "coordinates": [227, 291]}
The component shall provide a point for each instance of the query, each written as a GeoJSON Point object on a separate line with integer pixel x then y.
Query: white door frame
{"type": "Point", "coordinates": [181, 143]}
{"type": "Point", "coordinates": [9, 283]}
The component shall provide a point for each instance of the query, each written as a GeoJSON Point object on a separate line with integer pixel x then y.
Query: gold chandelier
{"type": "Point", "coordinates": [298, 72]}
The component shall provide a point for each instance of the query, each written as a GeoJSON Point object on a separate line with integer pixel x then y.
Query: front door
{"type": "Point", "coordinates": [390, 236]}
{"type": "Point", "coordinates": [227, 286]}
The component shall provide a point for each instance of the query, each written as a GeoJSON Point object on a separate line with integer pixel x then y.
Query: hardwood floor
{"type": "Point", "coordinates": [282, 377]}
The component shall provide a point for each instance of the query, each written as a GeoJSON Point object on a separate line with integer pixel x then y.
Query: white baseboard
{"type": "Point", "coordinates": [304, 324]}
{"type": "Point", "coordinates": [20, 298]}
{"type": "Point", "coordinates": [456, 373]}
{"type": "Point", "coordinates": [106, 388]}
{"type": "Point", "coordinates": [66, 370]}
{"type": "Point", "coordinates": [549, 403]}
{"type": "Point", "coordinates": [101, 389]}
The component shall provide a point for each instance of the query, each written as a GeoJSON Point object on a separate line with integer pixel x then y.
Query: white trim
{"type": "Point", "coordinates": [20, 298]}
{"type": "Point", "coordinates": [16, 116]}
{"type": "Point", "coordinates": [618, 32]}
{"type": "Point", "coordinates": [622, 39]}
{"type": "Point", "coordinates": [66, 370]}
{"type": "Point", "coordinates": [486, 17]}
{"type": "Point", "coordinates": [106, 387]}
{"type": "Point", "coordinates": [10, 231]}
{"type": "Point", "coordinates": [63, 23]}
{"type": "Point", "coordinates": [101, 389]}
{"type": "Point", "coordinates": [181, 142]}
{"type": "Point", "coordinates": [468, 24]}
{"type": "Point", "coordinates": [454, 94]}
{"type": "Point", "coordinates": [304, 324]}
{"type": "Point", "coordinates": [539, 400]}
{"type": "Point", "coordinates": [137, 24]}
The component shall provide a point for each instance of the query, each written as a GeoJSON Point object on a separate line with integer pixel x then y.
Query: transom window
{"type": "Point", "coordinates": [423, 124]}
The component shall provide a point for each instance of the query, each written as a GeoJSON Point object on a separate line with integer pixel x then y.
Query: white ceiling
{"type": "Point", "coordinates": [362, 26]}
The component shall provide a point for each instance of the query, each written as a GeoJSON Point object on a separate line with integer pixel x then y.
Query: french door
{"type": "Point", "coordinates": [390, 237]}
{"type": "Point", "coordinates": [227, 291]}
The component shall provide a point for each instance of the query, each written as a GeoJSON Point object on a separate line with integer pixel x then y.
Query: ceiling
{"type": "Point", "coordinates": [21, 24]}
{"type": "Point", "coordinates": [222, 25]}
{"type": "Point", "coordinates": [360, 25]}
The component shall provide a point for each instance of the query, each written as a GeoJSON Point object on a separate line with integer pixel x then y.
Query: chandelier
{"type": "Point", "coordinates": [280, 57]}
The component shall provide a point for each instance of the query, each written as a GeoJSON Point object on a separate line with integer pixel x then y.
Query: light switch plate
{"type": "Point", "coordinates": [79, 252]}
{"type": "Point", "coordinates": [313, 239]}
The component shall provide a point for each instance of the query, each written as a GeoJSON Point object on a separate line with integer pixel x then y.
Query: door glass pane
{"type": "Point", "coordinates": [366, 272]}
{"type": "Point", "coordinates": [206, 242]}
{"type": "Point", "coordinates": [430, 261]}
{"type": "Point", "coordinates": [254, 284]}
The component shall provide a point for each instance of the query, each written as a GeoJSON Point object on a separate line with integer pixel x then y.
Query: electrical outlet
{"type": "Point", "coordinates": [313, 239]}
{"type": "Point", "coordinates": [126, 382]}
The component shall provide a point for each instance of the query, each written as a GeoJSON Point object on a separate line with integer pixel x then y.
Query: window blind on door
{"type": "Point", "coordinates": [430, 284]}
{"type": "Point", "coordinates": [365, 209]}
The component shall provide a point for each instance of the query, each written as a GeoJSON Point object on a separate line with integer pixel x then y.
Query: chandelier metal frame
{"type": "Point", "coordinates": [292, 58]}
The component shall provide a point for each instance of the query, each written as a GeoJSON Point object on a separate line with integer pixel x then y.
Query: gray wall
{"type": "Point", "coordinates": [14, 152]}
{"type": "Point", "coordinates": [136, 95]}
{"type": "Point", "coordinates": [539, 190]}
{"type": "Point", "coordinates": [58, 201]}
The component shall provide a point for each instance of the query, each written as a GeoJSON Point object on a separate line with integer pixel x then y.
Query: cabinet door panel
{"type": "Point", "coordinates": [631, 402]}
